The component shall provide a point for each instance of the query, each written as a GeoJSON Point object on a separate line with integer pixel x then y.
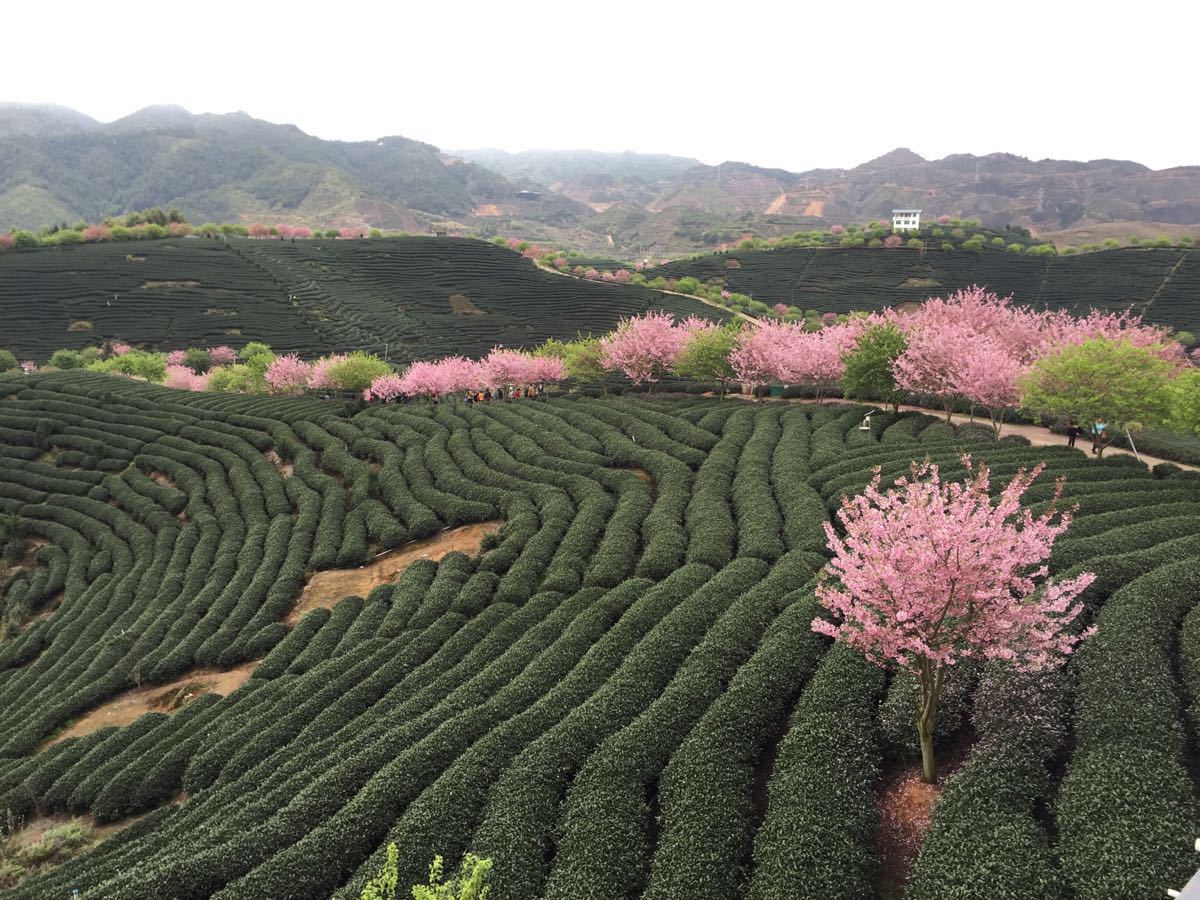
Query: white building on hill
{"type": "Point", "coordinates": [906, 219]}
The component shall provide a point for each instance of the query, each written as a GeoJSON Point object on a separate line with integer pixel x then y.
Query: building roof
{"type": "Point", "coordinates": [898, 211]}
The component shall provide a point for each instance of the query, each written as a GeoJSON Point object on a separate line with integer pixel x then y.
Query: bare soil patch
{"type": "Point", "coordinates": [487, 209]}
{"type": "Point", "coordinates": [815, 208]}
{"type": "Point", "coordinates": [905, 804]}
{"type": "Point", "coordinates": [284, 468]}
{"type": "Point", "coordinates": [80, 325]}
{"type": "Point", "coordinates": [151, 285]}
{"type": "Point", "coordinates": [134, 257]}
{"type": "Point", "coordinates": [167, 698]}
{"type": "Point", "coordinates": [920, 283]}
{"type": "Point", "coordinates": [461, 305]}
{"type": "Point", "coordinates": [732, 263]}
{"type": "Point", "coordinates": [327, 588]}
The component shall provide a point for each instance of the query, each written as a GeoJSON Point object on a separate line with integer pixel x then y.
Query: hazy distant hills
{"type": "Point", "coordinates": [58, 165]}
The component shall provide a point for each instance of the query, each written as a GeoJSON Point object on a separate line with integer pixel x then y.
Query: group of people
{"type": "Point", "coordinates": [534, 392]}
{"type": "Point", "coordinates": [1099, 432]}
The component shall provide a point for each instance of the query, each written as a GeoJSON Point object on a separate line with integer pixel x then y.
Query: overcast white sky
{"type": "Point", "coordinates": [789, 84]}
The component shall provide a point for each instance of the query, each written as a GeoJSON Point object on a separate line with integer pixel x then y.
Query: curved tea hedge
{"type": "Point", "coordinates": [619, 696]}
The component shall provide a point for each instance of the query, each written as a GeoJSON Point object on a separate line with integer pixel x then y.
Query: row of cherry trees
{"type": "Point", "coordinates": [456, 374]}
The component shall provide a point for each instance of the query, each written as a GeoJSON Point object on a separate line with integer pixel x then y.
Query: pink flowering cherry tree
{"type": "Point", "coordinates": [643, 347]}
{"type": "Point", "coordinates": [765, 352]}
{"type": "Point", "coordinates": [929, 573]}
{"type": "Point", "coordinates": [384, 388]}
{"type": "Point", "coordinates": [986, 375]}
{"type": "Point", "coordinates": [288, 374]}
{"type": "Point", "coordinates": [221, 355]}
{"type": "Point", "coordinates": [176, 357]}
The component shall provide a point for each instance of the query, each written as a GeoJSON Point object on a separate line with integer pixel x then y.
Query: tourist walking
{"type": "Point", "coordinates": [1099, 438]}
{"type": "Point", "coordinates": [1073, 431]}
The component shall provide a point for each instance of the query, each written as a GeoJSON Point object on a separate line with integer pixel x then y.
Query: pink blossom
{"type": "Point", "coordinates": [7, 241]}
{"type": "Point", "coordinates": [643, 347]}
{"type": "Point", "coordinates": [301, 232]}
{"type": "Point", "coordinates": [512, 243]}
{"type": "Point", "coordinates": [28, 366]}
{"type": "Point", "coordinates": [560, 262]}
{"type": "Point", "coordinates": [591, 274]}
{"type": "Point", "coordinates": [639, 265]}
{"type": "Point", "coordinates": [176, 357]}
{"type": "Point", "coordinates": [349, 233]}
{"type": "Point", "coordinates": [621, 276]}
{"type": "Point", "coordinates": [120, 348]}
{"type": "Point", "coordinates": [288, 374]}
{"type": "Point", "coordinates": [318, 374]}
{"type": "Point", "coordinates": [943, 219]}
{"type": "Point", "coordinates": [184, 379]}
{"type": "Point", "coordinates": [780, 309]}
{"type": "Point", "coordinates": [726, 294]}
{"type": "Point", "coordinates": [929, 573]}
{"type": "Point", "coordinates": [893, 242]}
{"type": "Point", "coordinates": [96, 233]}
{"type": "Point", "coordinates": [829, 318]}
{"type": "Point", "coordinates": [259, 230]}
{"type": "Point", "coordinates": [385, 387]}
{"type": "Point", "coordinates": [765, 352]}
{"type": "Point", "coordinates": [986, 375]}
{"type": "Point", "coordinates": [222, 355]}
{"type": "Point", "coordinates": [608, 276]}
{"type": "Point", "coordinates": [837, 229]}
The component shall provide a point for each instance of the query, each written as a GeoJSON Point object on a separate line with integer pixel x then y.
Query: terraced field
{"type": "Point", "coordinates": [619, 695]}
{"type": "Point", "coordinates": [1162, 284]}
{"type": "Point", "coordinates": [415, 298]}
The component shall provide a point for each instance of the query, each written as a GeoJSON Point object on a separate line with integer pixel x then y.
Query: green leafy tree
{"type": "Point", "coordinates": [357, 371]}
{"type": "Point", "coordinates": [1185, 402]}
{"type": "Point", "coordinates": [25, 239]}
{"type": "Point", "coordinates": [8, 361]}
{"type": "Point", "coordinates": [583, 359]}
{"type": "Point", "coordinates": [705, 356]}
{"type": "Point", "coordinates": [1101, 380]}
{"type": "Point", "coordinates": [236, 379]}
{"type": "Point", "coordinates": [67, 359]}
{"type": "Point", "coordinates": [196, 359]}
{"type": "Point", "coordinates": [868, 366]}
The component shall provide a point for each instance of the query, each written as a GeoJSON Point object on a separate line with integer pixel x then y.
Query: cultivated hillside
{"type": "Point", "coordinates": [618, 694]}
{"type": "Point", "coordinates": [414, 298]}
{"type": "Point", "coordinates": [1162, 284]}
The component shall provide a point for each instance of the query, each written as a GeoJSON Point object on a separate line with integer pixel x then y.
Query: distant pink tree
{"type": "Point", "coordinates": [560, 262]}
{"type": "Point", "coordinates": [384, 388]}
{"type": "Point", "coordinates": [943, 219]}
{"type": "Point", "coordinates": [765, 353]}
{"type": "Point", "coordinates": [986, 375]}
{"type": "Point", "coordinates": [184, 378]}
{"type": "Point", "coordinates": [1060, 327]}
{"type": "Point", "coordinates": [726, 294]}
{"type": "Point", "coordinates": [288, 374]}
{"type": "Point", "coordinates": [643, 347]}
{"type": "Point", "coordinates": [547, 370]}
{"type": "Point", "coordinates": [180, 229]}
{"type": "Point", "coordinates": [893, 242]}
{"type": "Point", "coordinates": [176, 357]}
{"type": "Point", "coordinates": [929, 365]}
{"type": "Point", "coordinates": [349, 233]}
{"type": "Point", "coordinates": [608, 276]}
{"type": "Point", "coordinates": [817, 356]}
{"type": "Point", "coordinates": [285, 231]}
{"type": "Point", "coordinates": [7, 241]}
{"type": "Point", "coordinates": [621, 276]}
{"type": "Point", "coordinates": [506, 367]}
{"type": "Point", "coordinates": [837, 229]}
{"type": "Point", "coordinates": [591, 274]}
{"type": "Point", "coordinates": [120, 348]}
{"type": "Point", "coordinates": [301, 232]}
{"type": "Point", "coordinates": [639, 265]}
{"type": "Point", "coordinates": [579, 270]}
{"type": "Point", "coordinates": [222, 355]}
{"type": "Point", "coordinates": [827, 319]}
{"type": "Point", "coordinates": [94, 234]}
{"type": "Point", "coordinates": [511, 243]}
{"type": "Point", "coordinates": [929, 573]}
{"type": "Point", "coordinates": [258, 230]}
{"type": "Point", "coordinates": [780, 309]}
{"type": "Point", "coordinates": [318, 373]}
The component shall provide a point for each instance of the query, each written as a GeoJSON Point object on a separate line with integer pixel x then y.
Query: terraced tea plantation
{"type": "Point", "coordinates": [618, 694]}
{"type": "Point", "coordinates": [413, 298]}
{"type": "Point", "coordinates": [1164, 285]}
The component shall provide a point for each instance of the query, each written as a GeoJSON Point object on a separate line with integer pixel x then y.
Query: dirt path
{"type": "Point", "coordinates": [129, 706]}
{"type": "Point", "coordinates": [327, 588]}
{"type": "Point", "coordinates": [1036, 434]}
{"type": "Point", "coordinates": [712, 303]}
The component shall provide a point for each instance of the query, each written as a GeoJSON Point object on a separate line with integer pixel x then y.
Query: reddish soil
{"type": "Point", "coordinates": [162, 479]}
{"type": "Point", "coordinates": [129, 706]}
{"type": "Point", "coordinates": [905, 803]}
{"type": "Point", "coordinates": [329, 587]}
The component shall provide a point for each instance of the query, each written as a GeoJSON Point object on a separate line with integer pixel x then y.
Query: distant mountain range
{"type": "Point", "coordinates": [58, 165]}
